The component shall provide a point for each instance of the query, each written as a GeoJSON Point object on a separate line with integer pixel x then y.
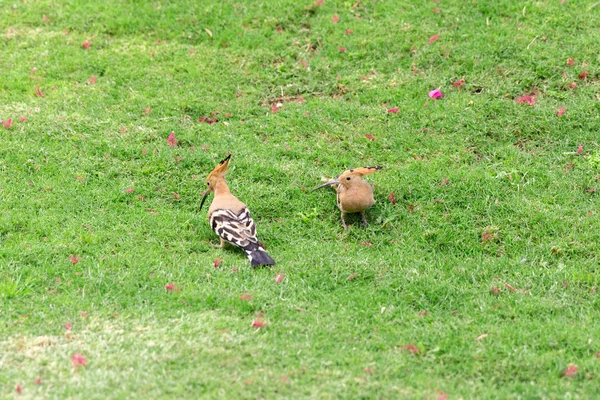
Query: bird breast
{"type": "Point", "coordinates": [355, 199]}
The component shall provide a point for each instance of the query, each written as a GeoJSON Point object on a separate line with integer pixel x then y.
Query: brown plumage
{"type": "Point", "coordinates": [354, 195]}
{"type": "Point", "coordinates": [230, 218]}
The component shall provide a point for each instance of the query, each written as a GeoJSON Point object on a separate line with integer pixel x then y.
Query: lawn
{"type": "Point", "coordinates": [476, 277]}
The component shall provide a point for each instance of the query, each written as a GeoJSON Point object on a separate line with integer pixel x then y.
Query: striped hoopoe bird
{"type": "Point", "coordinates": [230, 218]}
{"type": "Point", "coordinates": [354, 195]}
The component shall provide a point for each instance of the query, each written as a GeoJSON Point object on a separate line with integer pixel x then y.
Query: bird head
{"type": "Point", "coordinates": [351, 177]}
{"type": "Point", "coordinates": [216, 175]}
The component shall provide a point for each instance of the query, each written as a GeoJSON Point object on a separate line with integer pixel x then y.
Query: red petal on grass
{"type": "Point", "coordinates": [422, 313]}
{"type": "Point", "coordinates": [86, 45]}
{"type": "Point", "coordinates": [335, 19]}
{"type": "Point", "coordinates": [342, 49]}
{"type": "Point", "coordinates": [392, 198]}
{"type": "Point", "coordinates": [349, 31]}
{"type": "Point", "coordinates": [176, 195]}
{"type": "Point", "coordinates": [436, 94]}
{"type": "Point", "coordinates": [258, 323]}
{"type": "Point", "coordinates": [570, 62]}
{"type": "Point", "coordinates": [512, 289]}
{"type": "Point", "coordinates": [123, 130]}
{"type": "Point", "coordinates": [80, 178]}
{"type": "Point", "coordinates": [436, 10]}
{"type": "Point", "coordinates": [318, 3]}
{"type": "Point", "coordinates": [7, 123]}
{"type": "Point", "coordinates": [45, 19]}
{"type": "Point", "coordinates": [22, 119]}
{"type": "Point", "coordinates": [129, 190]}
{"type": "Point", "coordinates": [495, 291]}
{"type": "Point", "coordinates": [38, 92]}
{"type": "Point", "coordinates": [33, 70]}
{"type": "Point", "coordinates": [92, 80]}
{"type": "Point", "coordinates": [68, 326]}
{"type": "Point", "coordinates": [434, 38]}
{"type": "Point", "coordinates": [579, 149]}
{"type": "Point", "coordinates": [572, 85]}
{"type": "Point", "coordinates": [393, 110]}
{"type": "Point", "coordinates": [77, 360]}
{"type": "Point", "coordinates": [19, 389]}
{"type": "Point", "coordinates": [354, 275]}
{"type": "Point", "coordinates": [171, 140]}
{"type": "Point", "coordinates": [246, 297]}
{"type": "Point", "coordinates": [217, 262]}
{"type": "Point", "coordinates": [274, 108]}
{"type": "Point", "coordinates": [370, 137]}
{"type": "Point", "coordinates": [526, 99]}
{"type": "Point", "coordinates": [38, 381]}
{"type": "Point", "coordinates": [84, 314]}
{"type": "Point", "coordinates": [410, 347]}
{"type": "Point", "coordinates": [73, 259]}
{"type": "Point", "coordinates": [583, 75]}
{"type": "Point", "coordinates": [442, 395]}
{"type": "Point", "coordinates": [279, 278]}
{"type": "Point", "coordinates": [570, 371]}
{"type": "Point", "coordinates": [561, 111]}
{"type": "Point", "coordinates": [147, 110]}
{"type": "Point", "coordinates": [171, 287]}
{"type": "Point", "coordinates": [303, 63]}
{"type": "Point", "coordinates": [300, 99]}
{"type": "Point", "coordinates": [459, 83]}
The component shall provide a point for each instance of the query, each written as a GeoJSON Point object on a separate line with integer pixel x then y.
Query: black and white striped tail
{"type": "Point", "coordinates": [258, 257]}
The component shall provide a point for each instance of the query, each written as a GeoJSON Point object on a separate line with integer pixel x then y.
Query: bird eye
{"type": "Point", "coordinates": [348, 178]}
{"type": "Point", "coordinates": [207, 183]}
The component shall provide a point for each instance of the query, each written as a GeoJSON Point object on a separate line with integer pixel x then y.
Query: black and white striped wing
{"type": "Point", "coordinates": [235, 228]}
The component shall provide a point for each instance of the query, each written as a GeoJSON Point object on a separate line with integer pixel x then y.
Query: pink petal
{"type": "Point", "coordinates": [73, 259]}
{"type": "Point", "coordinates": [7, 123]}
{"type": "Point", "coordinates": [147, 110]}
{"type": "Point", "coordinates": [436, 10]}
{"type": "Point", "coordinates": [303, 63]}
{"type": "Point", "coordinates": [279, 278]}
{"type": "Point", "coordinates": [45, 19]}
{"type": "Point", "coordinates": [413, 349]}
{"type": "Point", "coordinates": [583, 75]}
{"type": "Point", "coordinates": [335, 19]}
{"type": "Point", "coordinates": [393, 110]}
{"type": "Point", "coordinates": [86, 44]}
{"type": "Point", "coordinates": [352, 276]}
{"type": "Point", "coordinates": [579, 149]}
{"type": "Point", "coordinates": [22, 119]}
{"type": "Point", "coordinates": [84, 314]}
{"type": "Point", "coordinates": [434, 38]}
{"type": "Point", "coordinates": [171, 287]}
{"type": "Point", "coordinates": [436, 94]}
{"type": "Point", "coordinates": [38, 92]}
{"type": "Point", "coordinates": [217, 262]}
{"type": "Point", "coordinates": [572, 85]}
{"type": "Point", "coordinates": [459, 83]}
{"type": "Point", "coordinates": [442, 395]}
{"type": "Point", "coordinates": [570, 371]}
{"type": "Point", "coordinates": [349, 31]}
{"type": "Point", "coordinates": [19, 389]}
{"type": "Point", "coordinates": [38, 381]}
{"type": "Point", "coordinates": [274, 108]}
{"type": "Point", "coordinates": [171, 140]}
{"type": "Point", "coordinates": [246, 297]}
{"type": "Point", "coordinates": [392, 198]}
{"type": "Point", "coordinates": [123, 130]}
{"type": "Point", "coordinates": [495, 291]}
{"type": "Point", "coordinates": [93, 80]}
{"type": "Point", "coordinates": [370, 137]}
{"type": "Point", "coordinates": [526, 99]}
{"type": "Point", "coordinates": [300, 99]}
{"type": "Point", "coordinates": [561, 111]}
{"type": "Point", "coordinates": [78, 360]}
{"type": "Point", "coordinates": [570, 62]}
{"type": "Point", "coordinates": [342, 49]}
{"type": "Point", "coordinates": [129, 190]}
{"type": "Point", "coordinates": [68, 326]}
{"type": "Point", "coordinates": [318, 3]}
{"type": "Point", "coordinates": [258, 323]}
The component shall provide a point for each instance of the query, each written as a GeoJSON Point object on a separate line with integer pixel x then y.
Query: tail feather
{"type": "Point", "coordinates": [259, 257]}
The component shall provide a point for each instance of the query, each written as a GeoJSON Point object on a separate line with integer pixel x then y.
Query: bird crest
{"type": "Point", "coordinates": [362, 171]}
{"type": "Point", "coordinates": [221, 168]}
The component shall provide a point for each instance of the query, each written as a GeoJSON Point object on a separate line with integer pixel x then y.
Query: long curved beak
{"type": "Point", "coordinates": [203, 199]}
{"type": "Point", "coordinates": [326, 184]}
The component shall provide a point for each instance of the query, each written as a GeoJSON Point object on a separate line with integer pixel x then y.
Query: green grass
{"type": "Point", "coordinates": [490, 193]}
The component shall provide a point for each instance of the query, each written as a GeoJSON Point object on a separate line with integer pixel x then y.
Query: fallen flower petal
{"type": "Point", "coordinates": [86, 45]}
{"type": "Point", "coordinates": [512, 289]}
{"type": "Point", "coordinates": [318, 3]}
{"type": "Point", "coordinates": [171, 140]}
{"type": "Point", "coordinates": [413, 349]}
{"type": "Point", "coordinates": [92, 80]}
{"type": "Point", "coordinates": [22, 119]}
{"type": "Point", "coordinates": [561, 111]}
{"type": "Point", "coordinates": [354, 275]}
{"type": "Point", "coordinates": [572, 85]}
{"type": "Point", "coordinates": [217, 262]}
{"type": "Point", "coordinates": [147, 110]}
{"type": "Point", "coordinates": [393, 110]}
{"type": "Point", "coordinates": [77, 360]}
{"type": "Point", "coordinates": [495, 291]}
{"type": "Point", "coordinates": [579, 149]}
{"type": "Point", "coordinates": [434, 38]}
{"type": "Point", "coordinates": [349, 31]}
{"type": "Point", "coordinates": [38, 381]}
{"type": "Point", "coordinates": [73, 259]}
{"type": "Point", "coordinates": [279, 278]}
{"type": "Point", "coordinates": [7, 123]}
{"type": "Point", "coordinates": [171, 287]}
{"type": "Point", "coordinates": [246, 297]}
{"type": "Point", "coordinates": [459, 83]}
{"type": "Point", "coordinates": [570, 371]}
{"type": "Point", "coordinates": [570, 62]}
{"type": "Point", "coordinates": [68, 326]}
{"type": "Point", "coordinates": [370, 137]}
{"type": "Point", "coordinates": [526, 99]}
{"type": "Point", "coordinates": [274, 108]}
{"type": "Point", "coordinates": [392, 198]}
{"type": "Point", "coordinates": [583, 75]}
{"type": "Point", "coordinates": [436, 94]}
{"type": "Point", "coordinates": [342, 49]}
{"type": "Point", "coordinates": [335, 19]}
{"type": "Point", "coordinates": [38, 92]}
{"type": "Point", "coordinates": [19, 389]}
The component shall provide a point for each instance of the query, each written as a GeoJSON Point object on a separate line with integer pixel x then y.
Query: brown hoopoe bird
{"type": "Point", "coordinates": [354, 195]}
{"type": "Point", "coordinates": [230, 218]}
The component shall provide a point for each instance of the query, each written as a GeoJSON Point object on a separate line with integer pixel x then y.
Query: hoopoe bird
{"type": "Point", "coordinates": [354, 195]}
{"type": "Point", "coordinates": [230, 218]}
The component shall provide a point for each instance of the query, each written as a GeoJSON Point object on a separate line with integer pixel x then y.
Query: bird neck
{"type": "Point", "coordinates": [221, 188]}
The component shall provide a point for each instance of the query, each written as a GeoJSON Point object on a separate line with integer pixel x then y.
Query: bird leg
{"type": "Point", "coordinates": [364, 219]}
{"type": "Point", "coordinates": [344, 220]}
{"type": "Point", "coordinates": [220, 245]}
